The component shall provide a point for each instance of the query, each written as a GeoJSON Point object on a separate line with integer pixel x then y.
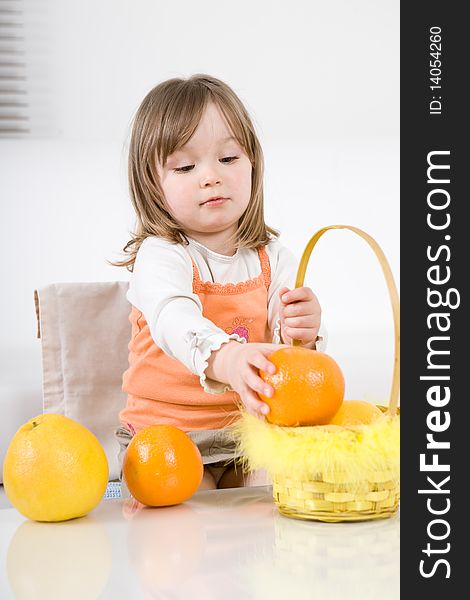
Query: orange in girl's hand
{"type": "Point", "coordinates": [308, 387]}
{"type": "Point", "coordinates": [356, 412]}
{"type": "Point", "coordinates": [162, 466]}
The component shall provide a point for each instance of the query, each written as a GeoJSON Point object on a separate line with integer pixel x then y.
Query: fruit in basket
{"type": "Point", "coordinates": [356, 412]}
{"type": "Point", "coordinates": [308, 387]}
{"type": "Point", "coordinates": [55, 469]}
{"type": "Point", "coordinates": [162, 466]}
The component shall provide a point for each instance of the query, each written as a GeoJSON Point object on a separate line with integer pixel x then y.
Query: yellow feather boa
{"type": "Point", "coordinates": [329, 452]}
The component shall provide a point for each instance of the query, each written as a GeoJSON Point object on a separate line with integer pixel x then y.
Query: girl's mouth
{"type": "Point", "coordinates": [215, 202]}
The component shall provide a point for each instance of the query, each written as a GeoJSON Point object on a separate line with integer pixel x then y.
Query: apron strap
{"type": "Point", "coordinates": [265, 266]}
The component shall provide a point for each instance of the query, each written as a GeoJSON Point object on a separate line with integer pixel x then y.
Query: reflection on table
{"type": "Point", "coordinates": [220, 544]}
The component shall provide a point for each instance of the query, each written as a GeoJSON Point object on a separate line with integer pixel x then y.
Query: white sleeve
{"type": "Point", "coordinates": [284, 266]}
{"type": "Point", "coordinates": [161, 288]}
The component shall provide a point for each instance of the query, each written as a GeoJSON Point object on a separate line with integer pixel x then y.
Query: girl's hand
{"type": "Point", "coordinates": [300, 315]}
{"type": "Point", "coordinates": [237, 364]}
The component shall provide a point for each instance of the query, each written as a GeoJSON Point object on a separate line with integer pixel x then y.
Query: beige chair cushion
{"type": "Point", "coordinates": [85, 330]}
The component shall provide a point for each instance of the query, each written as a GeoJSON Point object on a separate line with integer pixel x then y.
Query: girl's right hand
{"type": "Point", "coordinates": [238, 364]}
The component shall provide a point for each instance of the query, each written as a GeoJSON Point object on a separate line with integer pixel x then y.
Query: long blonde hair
{"type": "Point", "coordinates": [164, 122]}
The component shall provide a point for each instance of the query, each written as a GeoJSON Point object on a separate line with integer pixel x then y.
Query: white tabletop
{"type": "Point", "coordinates": [229, 544]}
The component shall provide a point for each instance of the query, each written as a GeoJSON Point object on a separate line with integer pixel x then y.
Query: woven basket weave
{"type": "Point", "coordinates": [349, 494]}
{"type": "Point", "coordinates": [337, 497]}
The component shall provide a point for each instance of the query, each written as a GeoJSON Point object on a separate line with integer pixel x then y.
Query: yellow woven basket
{"type": "Point", "coordinates": [331, 473]}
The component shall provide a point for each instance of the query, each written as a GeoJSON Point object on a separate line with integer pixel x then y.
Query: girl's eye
{"type": "Point", "coordinates": [187, 168]}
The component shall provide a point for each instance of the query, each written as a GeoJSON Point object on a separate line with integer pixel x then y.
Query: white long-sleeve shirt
{"type": "Point", "coordinates": [161, 288]}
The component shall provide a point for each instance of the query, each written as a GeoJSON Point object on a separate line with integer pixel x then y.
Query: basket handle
{"type": "Point", "coordinates": [392, 290]}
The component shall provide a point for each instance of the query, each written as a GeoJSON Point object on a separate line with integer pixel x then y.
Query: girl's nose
{"type": "Point", "coordinates": [211, 177]}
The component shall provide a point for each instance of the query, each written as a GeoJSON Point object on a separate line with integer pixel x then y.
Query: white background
{"type": "Point", "coordinates": [321, 81]}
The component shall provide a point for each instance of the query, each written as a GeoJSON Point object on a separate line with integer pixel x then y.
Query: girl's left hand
{"type": "Point", "coordinates": [300, 315]}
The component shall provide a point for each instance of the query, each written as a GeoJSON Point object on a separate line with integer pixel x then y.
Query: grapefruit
{"type": "Point", "coordinates": [356, 412]}
{"type": "Point", "coordinates": [55, 469]}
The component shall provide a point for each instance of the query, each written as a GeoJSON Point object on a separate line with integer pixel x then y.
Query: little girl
{"type": "Point", "coordinates": [210, 281]}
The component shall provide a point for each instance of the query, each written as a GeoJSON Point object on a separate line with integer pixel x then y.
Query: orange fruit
{"type": "Point", "coordinates": [162, 466]}
{"type": "Point", "coordinates": [55, 469]}
{"type": "Point", "coordinates": [308, 387]}
{"type": "Point", "coordinates": [356, 412]}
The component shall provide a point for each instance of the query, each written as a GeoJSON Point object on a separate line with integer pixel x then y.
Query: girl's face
{"type": "Point", "coordinates": [211, 165]}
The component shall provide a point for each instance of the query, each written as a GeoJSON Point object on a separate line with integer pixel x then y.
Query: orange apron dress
{"type": "Point", "coordinates": [162, 390]}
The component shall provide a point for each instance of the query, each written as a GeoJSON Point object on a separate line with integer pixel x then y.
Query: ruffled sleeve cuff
{"type": "Point", "coordinates": [322, 339]}
{"type": "Point", "coordinates": [200, 347]}
{"type": "Point", "coordinates": [320, 344]}
{"type": "Point", "coordinates": [277, 332]}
